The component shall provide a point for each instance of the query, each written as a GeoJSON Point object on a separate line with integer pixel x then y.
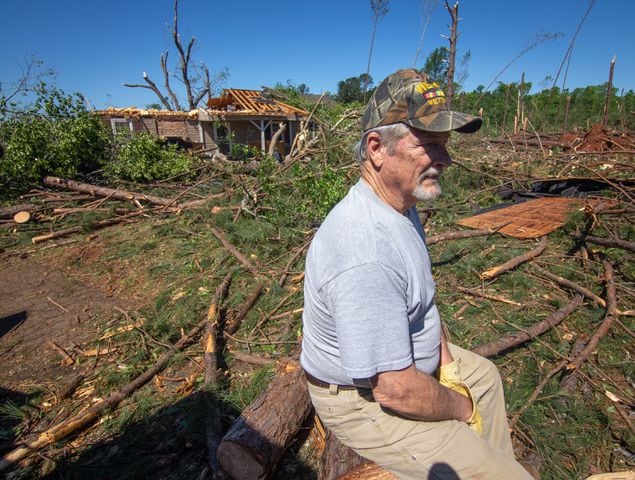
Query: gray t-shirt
{"type": "Point", "coordinates": [368, 293]}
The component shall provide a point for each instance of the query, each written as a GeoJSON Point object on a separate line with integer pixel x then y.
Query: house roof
{"type": "Point", "coordinates": [134, 112]}
{"type": "Point", "coordinates": [239, 102]}
{"type": "Point", "coordinates": [232, 103]}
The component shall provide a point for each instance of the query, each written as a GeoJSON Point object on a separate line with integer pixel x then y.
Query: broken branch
{"type": "Point", "coordinates": [604, 327]}
{"type": "Point", "coordinates": [88, 416]}
{"type": "Point", "coordinates": [606, 242]}
{"type": "Point", "coordinates": [516, 338]}
{"type": "Point", "coordinates": [233, 250]}
{"type": "Point", "coordinates": [514, 262]}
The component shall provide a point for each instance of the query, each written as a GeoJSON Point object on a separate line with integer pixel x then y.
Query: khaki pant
{"type": "Point", "coordinates": [411, 449]}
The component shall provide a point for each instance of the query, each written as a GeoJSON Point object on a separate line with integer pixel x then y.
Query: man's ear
{"type": "Point", "coordinates": [374, 149]}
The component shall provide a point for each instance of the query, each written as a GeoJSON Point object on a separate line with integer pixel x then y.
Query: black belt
{"type": "Point", "coordinates": [322, 384]}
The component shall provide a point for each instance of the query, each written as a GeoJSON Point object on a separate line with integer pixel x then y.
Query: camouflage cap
{"type": "Point", "coordinates": [410, 97]}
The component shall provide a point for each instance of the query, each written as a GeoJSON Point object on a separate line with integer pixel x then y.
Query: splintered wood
{"type": "Point", "coordinates": [530, 219]}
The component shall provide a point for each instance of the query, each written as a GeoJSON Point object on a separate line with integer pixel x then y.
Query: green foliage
{"type": "Point", "coordinates": [143, 158]}
{"type": "Point", "coordinates": [436, 65]}
{"type": "Point", "coordinates": [56, 135]}
{"type": "Point", "coordinates": [243, 153]}
{"type": "Point", "coordinates": [352, 89]}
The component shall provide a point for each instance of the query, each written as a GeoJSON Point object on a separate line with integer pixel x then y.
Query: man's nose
{"type": "Point", "coordinates": [443, 158]}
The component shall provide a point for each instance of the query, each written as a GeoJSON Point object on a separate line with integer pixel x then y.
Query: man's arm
{"type": "Point", "coordinates": [417, 395]}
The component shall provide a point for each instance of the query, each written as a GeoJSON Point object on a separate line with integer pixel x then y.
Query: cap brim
{"type": "Point", "coordinates": [446, 121]}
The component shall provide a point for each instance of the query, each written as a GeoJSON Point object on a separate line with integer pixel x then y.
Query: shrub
{"type": "Point", "coordinates": [54, 136]}
{"type": "Point", "coordinates": [143, 158]}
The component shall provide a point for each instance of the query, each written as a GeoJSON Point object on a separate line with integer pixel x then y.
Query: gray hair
{"type": "Point", "coordinates": [389, 135]}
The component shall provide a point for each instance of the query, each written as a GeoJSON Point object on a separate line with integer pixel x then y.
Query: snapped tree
{"type": "Point", "coordinates": [194, 77]}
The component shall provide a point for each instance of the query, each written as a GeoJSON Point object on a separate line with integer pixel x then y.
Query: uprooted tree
{"type": "Point", "coordinates": [194, 77]}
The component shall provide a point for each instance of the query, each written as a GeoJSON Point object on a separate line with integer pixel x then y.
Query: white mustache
{"type": "Point", "coordinates": [431, 172]}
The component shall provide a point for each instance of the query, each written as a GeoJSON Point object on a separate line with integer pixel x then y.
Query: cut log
{"type": "Point", "coordinates": [105, 192]}
{"type": "Point", "coordinates": [10, 212]}
{"type": "Point", "coordinates": [337, 459]}
{"type": "Point", "coordinates": [258, 438]}
{"type": "Point", "coordinates": [368, 471]}
{"type": "Point", "coordinates": [22, 217]}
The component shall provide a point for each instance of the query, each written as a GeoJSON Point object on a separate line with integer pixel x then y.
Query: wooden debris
{"type": "Point", "coordinates": [537, 391]}
{"type": "Point", "coordinates": [69, 389]}
{"type": "Point", "coordinates": [368, 471]}
{"type": "Point", "coordinates": [496, 298]}
{"type": "Point", "coordinates": [251, 359]}
{"type": "Point", "coordinates": [22, 217]}
{"type": "Point", "coordinates": [94, 190]}
{"type": "Point", "coordinates": [213, 431]}
{"type": "Point", "coordinates": [292, 260]}
{"type": "Point", "coordinates": [98, 352]}
{"type": "Point", "coordinates": [569, 381]}
{"type": "Point", "coordinates": [100, 224]}
{"type": "Point", "coordinates": [462, 234]}
{"type": "Point", "coordinates": [514, 262]}
{"type": "Point", "coordinates": [604, 327]}
{"type": "Point", "coordinates": [338, 459]}
{"type": "Point", "coordinates": [530, 219]}
{"type": "Point", "coordinates": [257, 439]}
{"type": "Point", "coordinates": [11, 211]}
{"type": "Point", "coordinates": [211, 331]}
{"type": "Point", "coordinates": [606, 242]}
{"type": "Point", "coordinates": [516, 338]}
{"type": "Point", "coordinates": [66, 357]}
{"type": "Point", "coordinates": [242, 313]}
{"type": "Point", "coordinates": [234, 251]}
{"type": "Point", "coordinates": [88, 416]}
{"type": "Point", "coordinates": [569, 284]}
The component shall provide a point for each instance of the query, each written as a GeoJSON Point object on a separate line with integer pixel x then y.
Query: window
{"type": "Point", "coordinates": [121, 125]}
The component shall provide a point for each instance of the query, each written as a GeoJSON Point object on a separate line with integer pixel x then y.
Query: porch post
{"type": "Point", "coordinates": [262, 127]}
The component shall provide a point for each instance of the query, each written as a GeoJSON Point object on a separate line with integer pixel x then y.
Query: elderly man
{"type": "Point", "coordinates": [381, 375]}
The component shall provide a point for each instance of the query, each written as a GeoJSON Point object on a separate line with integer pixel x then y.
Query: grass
{"type": "Point", "coordinates": [172, 264]}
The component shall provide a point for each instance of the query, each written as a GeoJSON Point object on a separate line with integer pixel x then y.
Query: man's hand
{"type": "Point", "coordinates": [450, 377]}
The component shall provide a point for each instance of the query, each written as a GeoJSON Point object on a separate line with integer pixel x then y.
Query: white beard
{"type": "Point", "coordinates": [427, 193]}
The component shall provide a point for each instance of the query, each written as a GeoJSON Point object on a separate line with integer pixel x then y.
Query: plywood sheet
{"type": "Point", "coordinates": [530, 219]}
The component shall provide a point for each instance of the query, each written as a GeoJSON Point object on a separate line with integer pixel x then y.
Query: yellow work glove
{"type": "Point", "coordinates": [450, 377]}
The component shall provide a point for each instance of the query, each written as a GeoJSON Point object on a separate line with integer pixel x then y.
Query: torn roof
{"type": "Point", "coordinates": [251, 102]}
{"type": "Point", "coordinates": [232, 103]}
{"type": "Point", "coordinates": [134, 112]}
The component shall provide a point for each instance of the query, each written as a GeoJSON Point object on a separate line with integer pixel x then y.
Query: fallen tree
{"type": "Point", "coordinates": [258, 438]}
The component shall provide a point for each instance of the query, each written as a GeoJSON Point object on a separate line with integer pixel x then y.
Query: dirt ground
{"type": "Point", "coordinates": [40, 304]}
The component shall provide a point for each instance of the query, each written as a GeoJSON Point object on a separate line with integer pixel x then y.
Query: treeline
{"type": "Point", "coordinates": [550, 110]}
{"type": "Point", "coordinates": [546, 110]}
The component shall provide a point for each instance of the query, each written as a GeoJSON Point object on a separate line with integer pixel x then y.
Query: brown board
{"type": "Point", "coordinates": [530, 219]}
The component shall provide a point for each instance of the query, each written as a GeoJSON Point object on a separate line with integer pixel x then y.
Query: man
{"type": "Point", "coordinates": [381, 375]}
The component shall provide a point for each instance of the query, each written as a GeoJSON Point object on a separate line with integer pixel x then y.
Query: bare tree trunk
{"type": "Point", "coordinates": [454, 13]}
{"type": "Point", "coordinates": [509, 86]}
{"type": "Point", "coordinates": [609, 87]}
{"type": "Point", "coordinates": [566, 115]}
{"type": "Point", "coordinates": [276, 136]}
{"type": "Point", "coordinates": [166, 81]}
{"type": "Point", "coordinates": [185, 56]}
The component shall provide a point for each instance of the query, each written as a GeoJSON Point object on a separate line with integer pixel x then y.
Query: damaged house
{"type": "Point", "coordinates": [248, 117]}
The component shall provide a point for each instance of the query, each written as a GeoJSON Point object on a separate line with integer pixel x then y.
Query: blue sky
{"type": "Point", "coordinates": [95, 46]}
